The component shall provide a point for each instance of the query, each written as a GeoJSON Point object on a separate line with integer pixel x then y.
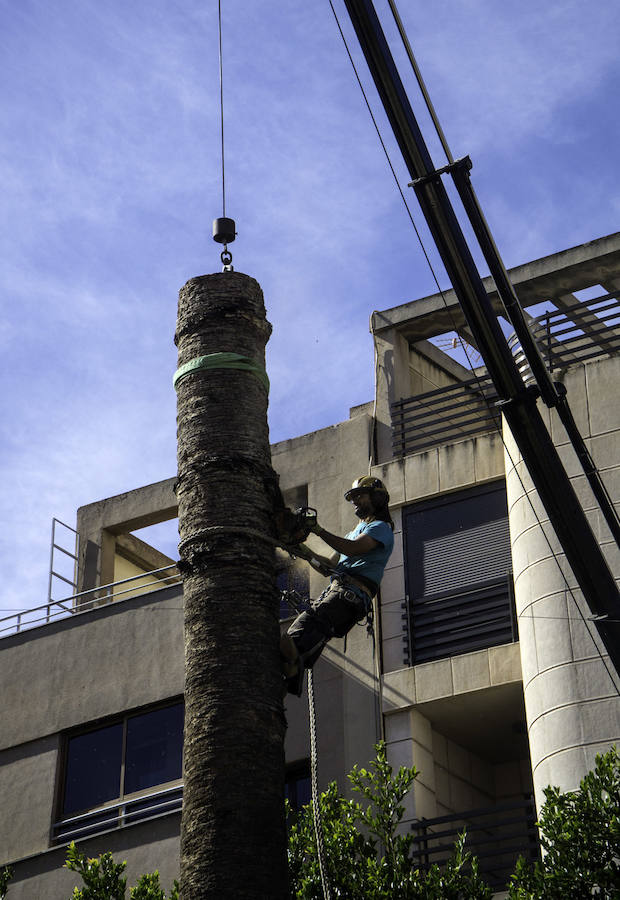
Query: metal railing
{"type": "Point", "coordinates": [451, 622]}
{"type": "Point", "coordinates": [118, 815]}
{"type": "Point", "coordinates": [55, 549]}
{"type": "Point", "coordinates": [497, 835]}
{"type": "Point", "coordinates": [88, 600]}
{"type": "Point", "coordinates": [444, 415]}
{"type": "Point", "coordinates": [575, 333]}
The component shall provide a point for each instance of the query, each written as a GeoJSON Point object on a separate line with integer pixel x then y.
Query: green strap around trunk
{"type": "Point", "coordinates": [222, 361]}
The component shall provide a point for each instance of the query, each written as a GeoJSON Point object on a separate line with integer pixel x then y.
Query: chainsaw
{"type": "Point", "coordinates": [294, 526]}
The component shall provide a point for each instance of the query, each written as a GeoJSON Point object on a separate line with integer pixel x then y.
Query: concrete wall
{"type": "Point", "coordinates": [454, 720]}
{"type": "Point", "coordinates": [99, 525]}
{"type": "Point", "coordinates": [147, 847]}
{"type": "Point", "coordinates": [27, 783]}
{"type": "Point", "coordinates": [73, 672]}
{"type": "Point", "coordinates": [95, 664]}
{"type": "Point", "coordinates": [123, 569]}
{"type": "Point", "coordinates": [572, 702]}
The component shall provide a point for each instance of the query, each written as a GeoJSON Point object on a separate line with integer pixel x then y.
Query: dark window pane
{"type": "Point", "coordinates": [303, 792]}
{"type": "Point", "coordinates": [297, 788]}
{"type": "Point", "coordinates": [154, 748]}
{"type": "Point", "coordinates": [93, 768]}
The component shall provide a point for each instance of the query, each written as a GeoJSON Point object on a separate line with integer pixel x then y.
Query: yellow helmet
{"type": "Point", "coordinates": [371, 485]}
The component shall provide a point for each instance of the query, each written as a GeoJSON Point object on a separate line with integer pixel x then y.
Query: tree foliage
{"type": "Point", "coordinates": [580, 837]}
{"type": "Point", "coordinates": [103, 879]}
{"type": "Point", "coordinates": [5, 877]}
{"type": "Point", "coordinates": [367, 856]}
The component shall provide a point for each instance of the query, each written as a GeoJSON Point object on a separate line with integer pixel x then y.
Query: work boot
{"type": "Point", "coordinates": [295, 683]}
{"type": "Point", "coordinates": [292, 665]}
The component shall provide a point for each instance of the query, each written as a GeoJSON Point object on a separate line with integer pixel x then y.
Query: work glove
{"type": "Point", "coordinates": [302, 551]}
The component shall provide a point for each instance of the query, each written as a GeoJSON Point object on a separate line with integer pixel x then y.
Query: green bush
{"type": "Point", "coordinates": [5, 877]}
{"type": "Point", "coordinates": [103, 879]}
{"type": "Point", "coordinates": [366, 856]}
{"type": "Point", "coordinates": [580, 837]}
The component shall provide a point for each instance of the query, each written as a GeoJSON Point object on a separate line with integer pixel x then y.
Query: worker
{"type": "Point", "coordinates": [356, 568]}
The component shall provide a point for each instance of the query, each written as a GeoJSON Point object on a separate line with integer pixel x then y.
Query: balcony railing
{"type": "Point", "coordinates": [573, 333]}
{"type": "Point", "coordinates": [445, 415]}
{"type": "Point", "coordinates": [86, 601]}
{"type": "Point", "coordinates": [451, 623]}
{"type": "Point", "coordinates": [118, 815]}
{"type": "Point", "coordinates": [497, 835]}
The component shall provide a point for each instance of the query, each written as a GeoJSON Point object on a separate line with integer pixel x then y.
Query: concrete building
{"type": "Point", "coordinates": [488, 675]}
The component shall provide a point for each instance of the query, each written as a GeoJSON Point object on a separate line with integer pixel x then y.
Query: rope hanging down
{"type": "Point", "coordinates": [316, 809]}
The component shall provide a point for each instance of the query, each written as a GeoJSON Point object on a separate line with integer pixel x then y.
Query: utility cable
{"type": "Point", "coordinates": [223, 228]}
{"type": "Point", "coordinates": [382, 142]}
{"type": "Point", "coordinates": [219, 23]}
{"type": "Point", "coordinates": [450, 313]}
{"type": "Point", "coordinates": [420, 80]}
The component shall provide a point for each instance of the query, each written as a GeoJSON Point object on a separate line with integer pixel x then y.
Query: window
{"type": "Point", "coordinates": [458, 573]}
{"type": "Point", "coordinates": [127, 771]}
{"type": "Point", "coordinates": [93, 768]}
{"type": "Point", "coordinates": [297, 788]}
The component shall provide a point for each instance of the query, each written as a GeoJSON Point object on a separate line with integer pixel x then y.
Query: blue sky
{"type": "Point", "coordinates": [110, 171]}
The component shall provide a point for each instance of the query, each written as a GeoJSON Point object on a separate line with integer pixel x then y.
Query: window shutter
{"type": "Point", "coordinates": [458, 564]}
{"type": "Point", "coordinates": [467, 557]}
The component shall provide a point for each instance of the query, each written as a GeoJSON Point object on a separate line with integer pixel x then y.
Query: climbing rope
{"type": "Point", "coordinates": [316, 810]}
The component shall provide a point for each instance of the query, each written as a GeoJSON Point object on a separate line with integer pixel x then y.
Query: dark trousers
{"type": "Point", "coordinates": [333, 614]}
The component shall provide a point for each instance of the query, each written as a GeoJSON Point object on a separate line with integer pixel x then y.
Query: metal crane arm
{"type": "Point", "coordinates": [518, 402]}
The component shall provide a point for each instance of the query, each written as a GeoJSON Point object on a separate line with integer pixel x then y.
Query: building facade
{"type": "Point", "coordinates": [485, 671]}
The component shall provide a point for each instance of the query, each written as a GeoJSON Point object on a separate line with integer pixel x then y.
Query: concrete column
{"type": "Point", "coordinates": [393, 383]}
{"type": "Point", "coordinates": [570, 686]}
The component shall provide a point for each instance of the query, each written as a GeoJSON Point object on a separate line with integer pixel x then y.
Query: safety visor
{"type": "Point", "coordinates": [355, 492]}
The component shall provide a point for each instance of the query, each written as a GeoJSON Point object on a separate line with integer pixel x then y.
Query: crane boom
{"type": "Point", "coordinates": [517, 401]}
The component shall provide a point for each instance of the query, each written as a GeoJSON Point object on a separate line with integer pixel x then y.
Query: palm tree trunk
{"type": "Point", "coordinates": [233, 832]}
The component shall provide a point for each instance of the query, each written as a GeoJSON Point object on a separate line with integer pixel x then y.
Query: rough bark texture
{"type": "Point", "coordinates": [233, 834]}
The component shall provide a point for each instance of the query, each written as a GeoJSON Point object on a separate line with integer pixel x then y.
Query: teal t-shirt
{"type": "Point", "coordinates": [372, 564]}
